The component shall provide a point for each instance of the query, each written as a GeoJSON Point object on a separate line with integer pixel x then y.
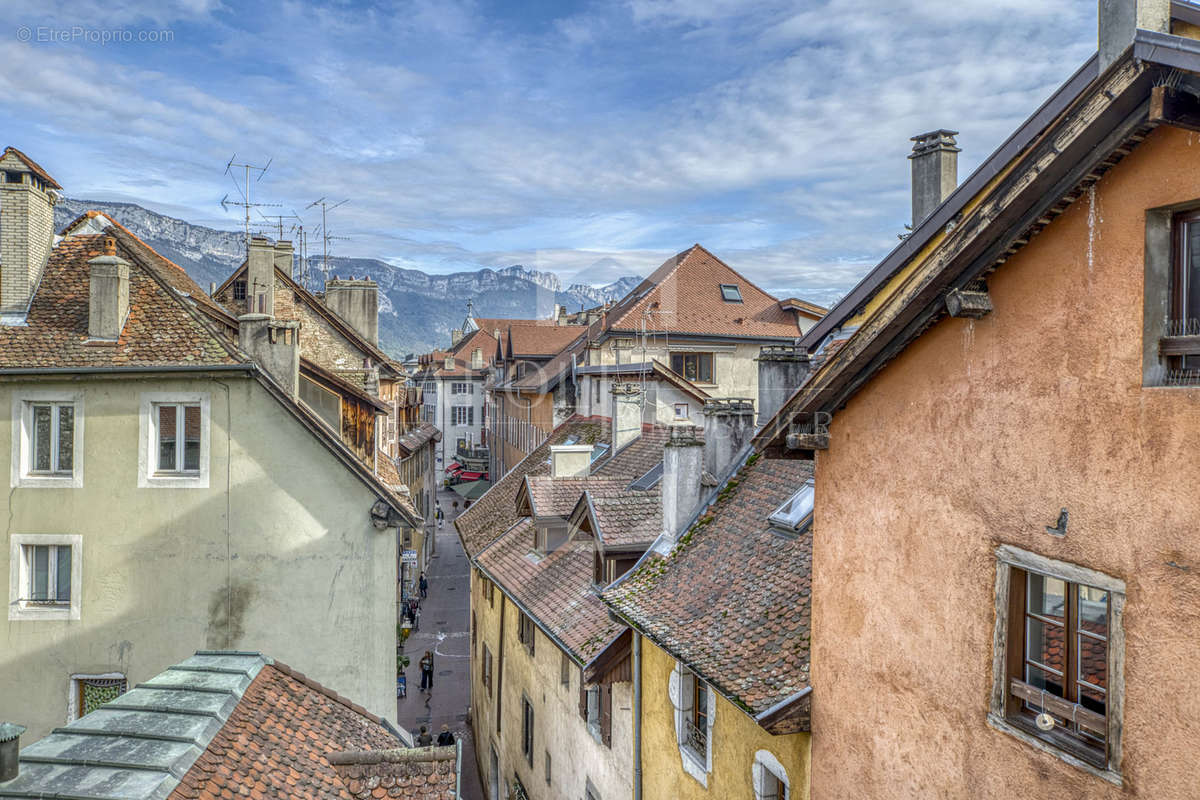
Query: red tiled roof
{"type": "Point", "coordinates": [33, 166]}
{"type": "Point", "coordinates": [684, 296]}
{"type": "Point", "coordinates": [732, 600]}
{"type": "Point", "coordinates": [415, 439]}
{"type": "Point", "coordinates": [541, 341]}
{"type": "Point", "coordinates": [428, 773]}
{"type": "Point", "coordinates": [556, 497]}
{"type": "Point", "coordinates": [629, 519]}
{"type": "Point", "coordinates": [277, 741]}
{"type": "Point", "coordinates": [556, 590]}
{"type": "Point", "coordinates": [164, 327]}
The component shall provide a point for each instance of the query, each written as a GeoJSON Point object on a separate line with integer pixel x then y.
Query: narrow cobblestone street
{"type": "Point", "coordinates": [444, 629]}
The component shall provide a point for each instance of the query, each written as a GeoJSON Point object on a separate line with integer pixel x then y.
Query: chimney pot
{"type": "Point", "coordinates": [781, 370]}
{"type": "Point", "coordinates": [570, 460]}
{"type": "Point", "coordinates": [626, 413]}
{"type": "Point", "coordinates": [108, 294]}
{"type": "Point", "coordinates": [10, 748]}
{"type": "Point", "coordinates": [356, 301]}
{"type": "Point", "coordinates": [934, 171]}
{"type": "Point", "coordinates": [683, 467]}
{"type": "Point", "coordinates": [26, 233]}
{"type": "Point", "coordinates": [728, 426]}
{"type": "Point", "coordinates": [260, 277]}
{"type": "Point", "coordinates": [275, 346]}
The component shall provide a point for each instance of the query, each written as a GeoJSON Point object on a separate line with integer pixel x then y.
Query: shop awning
{"type": "Point", "coordinates": [454, 467]}
{"type": "Point", "coordinates": [471, 476]}
{"type": "Point", "coordinates": [472, 491]}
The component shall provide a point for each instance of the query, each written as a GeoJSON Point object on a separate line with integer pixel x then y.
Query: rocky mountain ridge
{"type": "Point", "coordinates": [408, 320]}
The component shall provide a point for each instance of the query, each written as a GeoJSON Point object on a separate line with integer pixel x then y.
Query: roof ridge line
{"type": "Point", "coordinates": [325, 690]}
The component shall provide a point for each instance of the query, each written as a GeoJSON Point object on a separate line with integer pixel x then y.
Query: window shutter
{"type": "Point", "coordinates": [582, 697]}
{"type": "Point", "coordinates": [532, 636]}
{"type": "Point", "coordinates": [606, 714]}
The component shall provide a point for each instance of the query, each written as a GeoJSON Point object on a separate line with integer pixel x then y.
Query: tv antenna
{"type": "Point", "coordinates": [276, 221]}
{"type": "Point", "coordinates": [245, 192]}
{"type": "Point", "coordinates": [323, 231]}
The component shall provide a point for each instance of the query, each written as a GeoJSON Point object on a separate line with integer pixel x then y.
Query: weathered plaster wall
{"type": "Point", "coordinates": [301, 576]}
{"type": "Point", "coordinates": [575, 755]}
{"type": "Point", "coordinates": [977, 435]}
{"type": "Point", "coordinates": [735, 740]}
{"type": "Point", "coordinates": [735, 370]}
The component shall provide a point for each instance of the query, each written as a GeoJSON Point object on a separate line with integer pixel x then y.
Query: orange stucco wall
{"type": "Point", "coordinates": [976, 436]}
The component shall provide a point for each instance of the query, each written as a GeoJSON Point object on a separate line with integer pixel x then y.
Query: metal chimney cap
{"type": "Point", "coordinates": [10, 731]}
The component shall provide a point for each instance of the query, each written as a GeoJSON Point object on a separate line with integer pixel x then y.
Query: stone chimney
{"type": "Point", "coordinates": [934, 171]}
{"type": "Point", "coordinates": [260, 277]}
{"type": "Point", "coordinates": [357, 302]}
{"type": "Point", "coordinates": [683, 464]}
{"type": "Point", "coordinates": [108, 293]}
{"type": "Point", "coordinates": [626, 413]}
{"type": "Point", "coordinates": [275, 345]}
{"type": "Point", "coordinates": [1119, 20]}
{"type": "Point", "coordinates": [26, 231]}
{"type": "Point", "coordinates": [10, 748]}
{"type": "Point", "coordinates": [283, 258]}
{"type": "Point", "coordinates": [781, 370]}
{"type": "Point", "coordinates": [570, 460]}
{"type": "Point", "coordinates": [477, 358]}
{"type": "Point", "coordinates": [455, 336]}
{"type": "Point", "coordinates": [728, 426]}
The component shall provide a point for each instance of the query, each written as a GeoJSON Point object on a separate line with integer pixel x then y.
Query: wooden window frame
{"type": "Point", "coordinates": [526, 632]}
{"type": "Point", "coordinates": [1011, 562]}
{"type": "Point", "coordinates": [486, 670]}
{"type": "Point", "coordinates": [683, 357]}
{"type": "Point", "coordinates": [527, 722]}
{"type": "Point", "coordinates": [564, 670]}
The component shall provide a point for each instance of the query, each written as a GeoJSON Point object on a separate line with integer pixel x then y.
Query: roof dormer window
{"type": "Point", "coordinates": [13, 177]}
{"type": "Point", "coordinates": [731, 293]}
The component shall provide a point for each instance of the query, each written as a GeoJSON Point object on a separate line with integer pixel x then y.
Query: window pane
{"type": "Point", "coordinates": [166, 438]}
{"type": "Point", "coordinates": [191, 444]}
{"type": "Point", "coordinates": [39, 588]}
{"type": "Point", "coordinates": [66, 438]}
{"type": "Point", "coordinates": [62, 578]}
{"type": "Point", "coordinates": [41, 438]}
{"type": "Point", "coordinates": [1039, 678]}
{"type": "Point", "coordinates": [704, 366]}
{"type": "Point", "coordinates": [1047, 596]}
{"type": "Point", "coordinates": [1192, 265]}
{"type": "Point", "coordinates": [1093, 610]}
{"type": "Point", "coordinates": [1044, 644]}
{"type": "Point", "coordinates": [1092, 700]}
{"type": "Point", "coordinates": [1093, 660]}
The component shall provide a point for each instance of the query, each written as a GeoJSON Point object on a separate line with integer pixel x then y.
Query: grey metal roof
{"type": "Point", "coordinates": [138, 746]}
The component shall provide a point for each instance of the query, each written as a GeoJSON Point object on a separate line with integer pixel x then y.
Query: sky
{"type": "Point", "coordinates": [591, 139]}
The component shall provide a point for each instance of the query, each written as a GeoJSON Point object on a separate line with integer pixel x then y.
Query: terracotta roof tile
{"type": "Point", "coordinates": [541, 341]}
{"type": "Point", "coordinates": [161, 329]}
{"type": "Point", "coordinates": [628, 519]}
{"type": "Point", "coordinates": [684, 296]}
{"type": "Point", "coordinates": [733, 583]}
{"type": "Point", "coordinates": [277, 742]}
{"type": "Point", "coordinates": [556, 497]}
{"type": "Point", "coordinates": [427, 773]}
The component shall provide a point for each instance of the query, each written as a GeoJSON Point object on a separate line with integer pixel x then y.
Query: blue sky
{"type": "Point", "coordinates": [589, 139]}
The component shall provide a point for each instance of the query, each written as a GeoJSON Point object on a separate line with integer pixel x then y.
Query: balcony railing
{"type": "Point", "coordinates": [695, 739]}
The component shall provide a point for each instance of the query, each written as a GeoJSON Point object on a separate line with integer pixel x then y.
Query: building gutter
{"type": "Point", "coordinates": [139, 370]}
{"type": "Point", "coordinates": [782, 704]}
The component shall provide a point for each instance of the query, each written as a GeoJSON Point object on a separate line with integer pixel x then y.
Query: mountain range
{"type": "Point", "coordinates": [417, 310]}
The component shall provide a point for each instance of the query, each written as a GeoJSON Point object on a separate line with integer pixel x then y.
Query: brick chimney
{"type": "Point", "coordinates": [27, 198]}
{"type": "Point", "coordinates": [626, 413]}
{"type": "Point", "coordinates": [728, 426]}
{"type": "Point", "coordinates": [283, 258]}
{"type": "Point", "coordinates": [260, 277]}
{"type": "Point", "coordinates": [357, 302]}
{"type": "Point", "coordinates": [781, 370]}
{"type": "Point", "coordinates": [108, 293]}
{"type": "Point", "coordinates": [934, 171]}
{"type": "Point", "coordinates": [683, 464]}
{"type": "Point", "coordinates": [1118, 20]}
{"type": "Point", "coordinates": [10, 748]}
{"type": "Point", "coordinates": [275, 346]}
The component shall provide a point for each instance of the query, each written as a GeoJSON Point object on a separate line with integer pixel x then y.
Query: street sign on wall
{"type": "Point", "coordinates": [409, 557]}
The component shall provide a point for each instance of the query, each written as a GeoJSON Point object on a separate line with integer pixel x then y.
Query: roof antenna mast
{"type": "Point", "coordinates": [244, 191]}
{"type": "Point", "coordinates": [324, 230]}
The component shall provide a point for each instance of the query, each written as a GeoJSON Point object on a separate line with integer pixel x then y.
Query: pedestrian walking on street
{"type": "Point", "coordinates": [440, 515]}
{"type": "Point", "coordinates": [424, 584]}
{"type": "Point", "coordinates": [445, 738]}
{"type": "Point", "coordinates": [424, 739]}
{"type": "Point", "coordinates": [427, 670]}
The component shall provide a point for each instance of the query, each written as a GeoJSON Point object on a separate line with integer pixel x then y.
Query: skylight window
{"type": "Point", "coordinates": [731, 293]}
{"type": "Point", "coordinates": [649, 480]}
{"type": "Point", "coordinates": [796, 514]}
{"type": "Point", "coordinates": [598, 452]}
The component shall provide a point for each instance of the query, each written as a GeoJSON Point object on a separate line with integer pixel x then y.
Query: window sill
{"type": "Point", "coordinates": [172, 481]}
{"type": "Point", "coordinates": [32, 612]}
{"type": "Point", "coordinates": [1005, 726]}
{"type": "Point", "coordinates": [694, 765]}
{"type": "Point", "coordinates": [72, 481]}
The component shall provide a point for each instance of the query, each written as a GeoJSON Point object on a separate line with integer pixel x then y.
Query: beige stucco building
{"type": "Point", "coordinates": [169, 488]}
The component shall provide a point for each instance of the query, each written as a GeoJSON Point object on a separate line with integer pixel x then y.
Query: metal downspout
{"type": "Point", "coordinates": [637, 716]}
